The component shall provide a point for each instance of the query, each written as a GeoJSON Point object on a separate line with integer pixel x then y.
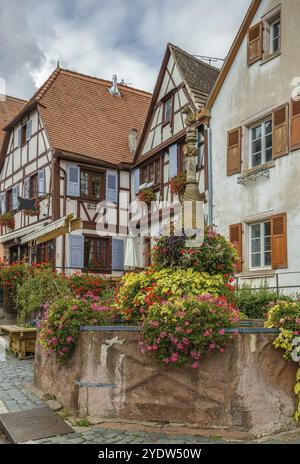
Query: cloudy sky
{"type": "Point", "coordinates": [106, 37]}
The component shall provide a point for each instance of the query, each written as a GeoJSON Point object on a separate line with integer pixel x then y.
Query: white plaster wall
{"type": "Point", "coordinates": [247, 92]}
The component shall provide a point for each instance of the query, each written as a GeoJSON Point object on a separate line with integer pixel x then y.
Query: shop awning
{"type": "Point", "coordinates": [54, 229]}
{"type": "Point", "coordinates": [17, 234]}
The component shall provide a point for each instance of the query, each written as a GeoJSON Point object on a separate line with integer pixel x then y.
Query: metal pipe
{"type": "Point", "coordinates": [210, 177]}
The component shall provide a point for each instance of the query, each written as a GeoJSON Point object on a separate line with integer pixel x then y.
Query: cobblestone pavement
{"type": "Point", "coordinates": [15, 396]}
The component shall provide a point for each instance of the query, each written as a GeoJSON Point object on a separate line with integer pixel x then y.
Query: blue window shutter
{"type": "Point", "coordinates": [20, 137]}
{"type": "Point", "coordinates": [117, 254]}
{"type": "Point", "coordinates": [136, 180]}
{"type": "Point", "coordinates": [3, 203]}
{"type": "Point", "coordinates": [15, 194]}
{"type": "Point", "coordinates": [173, 161]}
{"type": "Point", "coordinates": [27, 188]}
{"type": "Point", "coordinates": [28, 130]}
{"type": "Point", "coordinates": [73, 185]}
{"type": "Point", "coordinates": [76, 244]}
{"type": "Point", "coordinates": [42, 182]}
{"type": "Point", "coordinates": [111, 186]}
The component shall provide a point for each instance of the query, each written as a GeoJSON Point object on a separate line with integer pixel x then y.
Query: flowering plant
{"type": "Point", "coordinates": [147, 195]}
{"type": "Point", "coordinates": [100, 285]}
{"type": "Point", "coordinates": [138, 292]}
{"type": "Point", "coordinates": [177, 185]}
{"type": "Point", "coordinates": [285, 315]}
{"type": "Point", "coordinates": [183, 331]}
{"type": "Point", "coordinates": [216, 255]}
{"type": "Point", "coordinates": [60, 327]}
{"type": "Point", "coordinates": [7, 219]}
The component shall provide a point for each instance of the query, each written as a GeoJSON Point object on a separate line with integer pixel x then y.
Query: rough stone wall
{"type": "Point", "coordinates": [248, 386]}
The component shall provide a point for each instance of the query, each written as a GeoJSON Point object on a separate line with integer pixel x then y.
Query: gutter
{"type": "Point", "coordinates": [210, 177]}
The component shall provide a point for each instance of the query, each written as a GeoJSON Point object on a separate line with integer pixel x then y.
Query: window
{"type": "Point", "coordinates": [45, 252]}
{"type": "Point", "coordinates": [168, 105]}
{"type": "Point", "coordinates": [275, 36]}
{"type": "Point", "coordinates": [272, 35]}
{"type": "Point", "coordinates": [91, 185]}
{"type": "Point", "coordinates": [152, 173]}
{"type": "Point", "coordinates": [97, 253]}
{"type": "Point", "coordinates": [260, 245]}
{"type": "Point", "coordinates": [24, 134]}
{"type": "Point", "coordinates": [261, 143]}
{"type": "Point", "coordinates": [9, 201]}
{"type": "Point", "coordinates": [34, 186]}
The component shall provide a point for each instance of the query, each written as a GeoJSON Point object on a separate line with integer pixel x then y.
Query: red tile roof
{"type": "Point", "coordinates": [82, 117]}
{"type": "Point", "coordinates": [9, 107]}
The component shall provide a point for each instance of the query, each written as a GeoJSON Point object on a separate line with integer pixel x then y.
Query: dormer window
{"type": "Point", "coordinates": [167, 115]}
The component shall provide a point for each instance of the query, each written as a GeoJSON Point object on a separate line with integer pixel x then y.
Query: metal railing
{"type": "Point", "coordinates": [278, 287]}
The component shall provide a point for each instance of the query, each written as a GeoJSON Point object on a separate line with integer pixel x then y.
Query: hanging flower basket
{"type": "Point", "coordinates": [146, 196]}
{"type": "Point", "coordinates": [177, 185]}
{"type": "Point", "coordinates": [8, 220]}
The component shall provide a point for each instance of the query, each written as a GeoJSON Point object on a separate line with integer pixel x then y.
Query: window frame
{"type": "Point", "coordinates": [45, 252]}
{"type": "Point", "coordinates": [263, 249]}
{"type": "Point", "coordinates": [156, 168]}
{"type": "Point", "coordinates": [34, 179]}
{"type": "Point", "coordinates": [168, 120]}
{"type": "Point", "coordinates": [92, 174]}
{"type": "Point", "coordinates": [108, 262]}
{"type": "Point", "coordinates": [262, 124]}
{"type": "Point", "coordinates": [9, 201]}
{"type": "Point", "coordinates": [269, 21]}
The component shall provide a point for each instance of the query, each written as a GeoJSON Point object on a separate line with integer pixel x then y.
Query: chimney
{"type": "Point", "coordinates": [114, 91]}
{"type": "Point", "coordinates": [132, 141]}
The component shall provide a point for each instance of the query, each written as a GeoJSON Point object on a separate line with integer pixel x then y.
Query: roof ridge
{"type": "Point", "coordinates": [14, 98]}
{"type": "Point", "coordinates": [83, 76]}
{"type": "Point", "coordinates": [198, 60]}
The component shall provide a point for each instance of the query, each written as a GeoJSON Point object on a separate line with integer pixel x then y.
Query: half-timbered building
{"type": "Point", "coordinates": [70, 148]}
{"type": "Point", "coordinates": [183, 80]}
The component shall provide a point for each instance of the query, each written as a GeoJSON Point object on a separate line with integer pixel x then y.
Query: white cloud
{"type": "Point", "coordinates": [102, 37]}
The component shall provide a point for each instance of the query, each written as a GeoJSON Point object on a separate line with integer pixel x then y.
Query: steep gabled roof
{"type": "Point", "coordinates": [82, 117]}
{"type": "Point", "coordinates": [198, 77]}
{"type": "Point", "coordinates": [9, 107]}
{"type": "Point", "coordinates": [233, 51]}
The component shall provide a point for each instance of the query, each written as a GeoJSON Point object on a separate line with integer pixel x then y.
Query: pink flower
{"type": "Point", "coordinates": [154, 324]}
{"type": "Point", "coordinates": [195, 365]}
{"type": "Point", "coordinates": [222, 350]}
{"type": "Point", "coordinates": [74, 307]}
{"type": "Point", "coordinates": [222, 332]}
{"type": "Point", "coordinates": [208, 333]}
{"type": "Point", "coordinates": [298, 320]}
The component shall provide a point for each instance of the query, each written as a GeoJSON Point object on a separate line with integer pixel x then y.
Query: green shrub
{"type": "Point", "coordinates": [216, 256]}
{"type": "Point", "coordinates": [139, 291]}
{"type": "Point", "coordinates": [183, 331]}
{"type": "Point", "coordinates": [255, 303]}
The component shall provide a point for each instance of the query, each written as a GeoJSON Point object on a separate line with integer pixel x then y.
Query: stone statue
{"type": "Point", "coordinates": [192, 214]}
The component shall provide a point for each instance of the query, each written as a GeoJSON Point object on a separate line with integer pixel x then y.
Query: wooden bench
{"type": "Point", "coordinates": [21, 340]}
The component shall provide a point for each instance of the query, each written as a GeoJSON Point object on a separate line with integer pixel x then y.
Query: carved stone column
{"type": "Point", "coordinates": [193, 215]}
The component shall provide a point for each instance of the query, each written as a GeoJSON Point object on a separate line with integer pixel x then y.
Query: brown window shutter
{"type": "Point", "coordinates": [281, 131]}
{"type": "Point", "coordinates": [255, 43]}
{"type": "Point", "coordinates": [295, 124]}
{"type": "Point", "coordinates": [279, 241]}
{"type": "Point", "coordinates": [234, 151]}
{"type": "Point", "coordinates": [236, 237]}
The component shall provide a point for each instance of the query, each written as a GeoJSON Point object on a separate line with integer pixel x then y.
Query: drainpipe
{"type": "Point", "coordinates": [210, 177]}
